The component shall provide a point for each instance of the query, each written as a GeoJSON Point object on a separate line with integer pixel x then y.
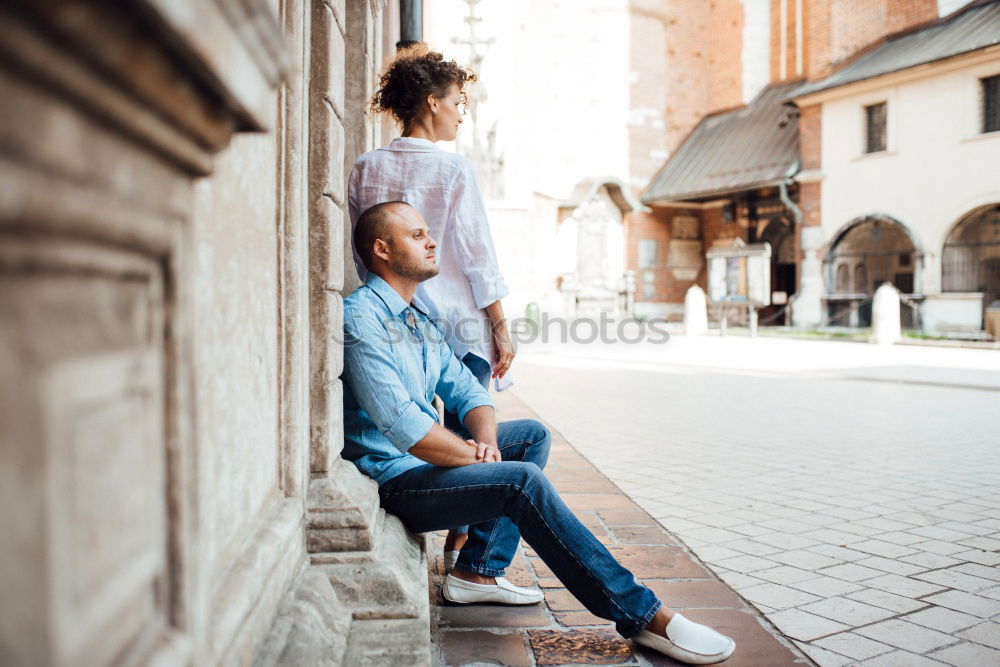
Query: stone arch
{"type": "Point", "coordinates": [970, 254]}
{"type": "Point", "coordinates": [877, 247]}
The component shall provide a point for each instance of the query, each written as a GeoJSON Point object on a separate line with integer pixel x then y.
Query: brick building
{"type": "Point", "coordinates": [781, 179]}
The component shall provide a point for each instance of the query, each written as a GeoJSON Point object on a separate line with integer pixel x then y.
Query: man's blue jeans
{"type": "Point", "coordinates": [501, 502]}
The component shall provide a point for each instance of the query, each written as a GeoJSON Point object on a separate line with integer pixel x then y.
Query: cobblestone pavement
{"type": "Point", "coordinates": [560, 631]}
{"type": "Point", "coordinates": [858, 508]}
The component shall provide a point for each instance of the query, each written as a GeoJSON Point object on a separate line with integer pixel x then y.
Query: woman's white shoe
{"type": "Point", "coordinates": [689, 642]}
{"type": "Point", "coordinates": [502, 592]}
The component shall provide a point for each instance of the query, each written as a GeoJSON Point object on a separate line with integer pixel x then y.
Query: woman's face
{"type": "Point", "coordinates": [449, 114]}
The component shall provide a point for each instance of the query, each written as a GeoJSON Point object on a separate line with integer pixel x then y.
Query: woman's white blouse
{"type": "Point", "coordinates": [442, 187]}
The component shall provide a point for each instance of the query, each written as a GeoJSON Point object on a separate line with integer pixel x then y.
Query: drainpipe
{"type": "Point", "coordinates": [797, 214]}
{"type": "Point", "coordinates": [411, 23]}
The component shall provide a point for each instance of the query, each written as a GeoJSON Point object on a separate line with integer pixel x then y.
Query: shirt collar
{"type": "Point", "coordinates": [390, 297]}
{"type": "Point", "coordinates": [413, 144]}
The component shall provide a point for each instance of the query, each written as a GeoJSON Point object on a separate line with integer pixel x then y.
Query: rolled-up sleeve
{"type": "Point", "coordinates": [474, 242]}
{"type": "Point", "coordinates": [458, 388]}
{"type": "Point", "coordinates": [371, 371]}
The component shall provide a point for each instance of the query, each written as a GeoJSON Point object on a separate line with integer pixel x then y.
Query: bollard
{"type": "Point", "coordinates": [886, 323]}
{"type": "Point", "coordinates": [532, 313]}
{"type": "Point", "coordinates": [695, 312]}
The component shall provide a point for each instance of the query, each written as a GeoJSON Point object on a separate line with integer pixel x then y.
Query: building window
{"type": "Point", "coordinates": [647, 254]}
{"type": "Point", "coordinates": [991, 103]}
{"type": "Point", "coordinates": [875, 117]}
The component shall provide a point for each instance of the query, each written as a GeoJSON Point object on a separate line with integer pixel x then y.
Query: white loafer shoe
{"type": "Point", "coordinates": [450, 557]}
{"type": "Point", "coordinates": [689, 642]}
{"type": "Point", "coordinates": [503, 592]}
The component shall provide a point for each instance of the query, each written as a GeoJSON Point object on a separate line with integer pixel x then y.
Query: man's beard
{"type": "Point", "coordinates": [415, 270]}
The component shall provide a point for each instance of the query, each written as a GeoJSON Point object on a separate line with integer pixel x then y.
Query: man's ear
{"type": "Point", "coordinates": [433, 103]}
{"type": "Point", "coordinates": [381, 250]}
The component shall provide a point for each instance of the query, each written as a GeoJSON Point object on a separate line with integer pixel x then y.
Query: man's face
{"type": "Point", "coordinates": [411, 251]}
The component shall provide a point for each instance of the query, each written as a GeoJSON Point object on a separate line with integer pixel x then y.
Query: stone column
{"type": "Point", "coordinates": [378, 570]}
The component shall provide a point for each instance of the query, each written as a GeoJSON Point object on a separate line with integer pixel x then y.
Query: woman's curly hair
{"type": "Point", "coordinates": [411, 77]}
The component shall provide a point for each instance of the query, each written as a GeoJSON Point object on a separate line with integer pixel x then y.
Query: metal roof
{"type": "Point", "coordinates": [975, 26]}
{"type": "Point", "coordinates": [754, 146]}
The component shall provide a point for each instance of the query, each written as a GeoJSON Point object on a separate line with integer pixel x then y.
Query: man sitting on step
{"type": "Point", "coordinates": [489, 476]}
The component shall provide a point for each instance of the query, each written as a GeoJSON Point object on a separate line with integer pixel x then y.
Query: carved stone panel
{"type": "Point", "coordinates": [83, 327]}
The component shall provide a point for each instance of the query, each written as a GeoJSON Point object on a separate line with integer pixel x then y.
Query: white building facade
{"type": "Point", "coordinates": [910, 191]}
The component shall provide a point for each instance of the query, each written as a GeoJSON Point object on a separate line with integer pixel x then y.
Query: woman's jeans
{"type": "Point", "coordinates": [513, 498]}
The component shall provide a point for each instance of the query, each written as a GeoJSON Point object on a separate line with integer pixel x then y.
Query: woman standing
{"type": "Point", "coordinates": [424, 93]}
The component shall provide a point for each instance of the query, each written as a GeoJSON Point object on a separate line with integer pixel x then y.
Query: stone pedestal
{"type": "Point", "coordinates": [807, 310]}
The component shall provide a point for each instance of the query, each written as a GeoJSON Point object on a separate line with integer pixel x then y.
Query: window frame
{"type": "Point", "coordinates": [866, 141]}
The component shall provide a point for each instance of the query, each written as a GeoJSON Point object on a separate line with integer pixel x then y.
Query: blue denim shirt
{"type": "Point", "coordinates": [395, 360]}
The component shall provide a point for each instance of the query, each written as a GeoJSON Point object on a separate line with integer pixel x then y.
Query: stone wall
{"type": "Point", "coordinates": [171, 273]}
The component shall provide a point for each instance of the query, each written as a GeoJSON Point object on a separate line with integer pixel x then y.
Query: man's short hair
{"type": "Point", "coordinates": [373, 224]}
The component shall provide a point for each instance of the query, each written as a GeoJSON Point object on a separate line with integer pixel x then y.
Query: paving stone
{"type": "Point", "coordinates": [943, 620]}
{"type": "Point", "coordinates": [900, 659]}
{"type": "Point", "coordinates": [853, 645]}
{"type": "Point", "coordinates": [985, 633]}
{"type": "Point", "coordinates": [738, 580]}
{"type": "Point", "coordinates": [966, 602]}
{"type": "Point", "coordinates": [896, 603]}
{"type": "Point", "coordinates": [597, 501]}
{"type": "Point", "coordinates": [826, 586]}
{"type": "Point", "coordinates": [776, 596]}
{"type": "Point", "coordinates": [806, 560]}
{"type": "Point", "coordinates": [749, 529]}
{"type": "Point", "coordinates": [478, 646]}
{"type": "Point", "coordinates": [804, 626]}
{"type": "Point", "coordinates": [891, 566]}
{"type": "Point", "coordinates": [900, 537]}
{"type": "Point", "coordinates": [784, 574]}
{"type": "Point", "coordinates": [979, 556]}
{"type": "Point", "coordinates": [967, 653]}
{"type": "Point", "coordinates": [655, 562]}
{"type": "Point", "coordinates": [838, 552]}
{"type": "Point", "coordinates": [642, 535]}
{"type": "Point", "coordinates": [493, 616]}
{"type": "Point", "coordinates": [560, 599]}
{"type": "Point", "coordinates": [939, 547]}
{"type": "Point", "coordinates": [884, 549]}
{"type": "Point", "coordinates": [956, 580]}
{"type": "Point", "coordinates": [586, 647]}
{"type": "Point", "coordinates": [548, 582]}
{"type": "Point", "coordinates": [906, 636]}
{"type": "Point", "coordinates": [984, 543]}
{"type": "Point", "coordinates": [977, 570]}
{"type": "Point", "coordinates": [939, 533]}
{"type": "Point", "coordinates": [746, 564]}
{"type": "Point", "coordinates": [752, 548]}
{"type": "Point", "coordinates": [905, 586]}
{"type": "Point", "coordinates": [822, 657]}
{"type": "Point", "coordinates": [568, 487]}
{"type": "Point", "coordinates": [786, 542]}
{"type": "Point", "coordinates": [847, 611]}
{"type": "Point", "coordinates": [711, 554]}
{"type": "Point", "coordinates": [542, 570]}
{"type": "Point", "coordinates": [930, 561]}
{"type": "Point", "coordinates": [850, 572]}
{"type": "Point", "coordinates": [688, 594]}
{"type": "Point", "coordinates": [625, 517]}
{"type": "Point", "coordinates": [576, 618]}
